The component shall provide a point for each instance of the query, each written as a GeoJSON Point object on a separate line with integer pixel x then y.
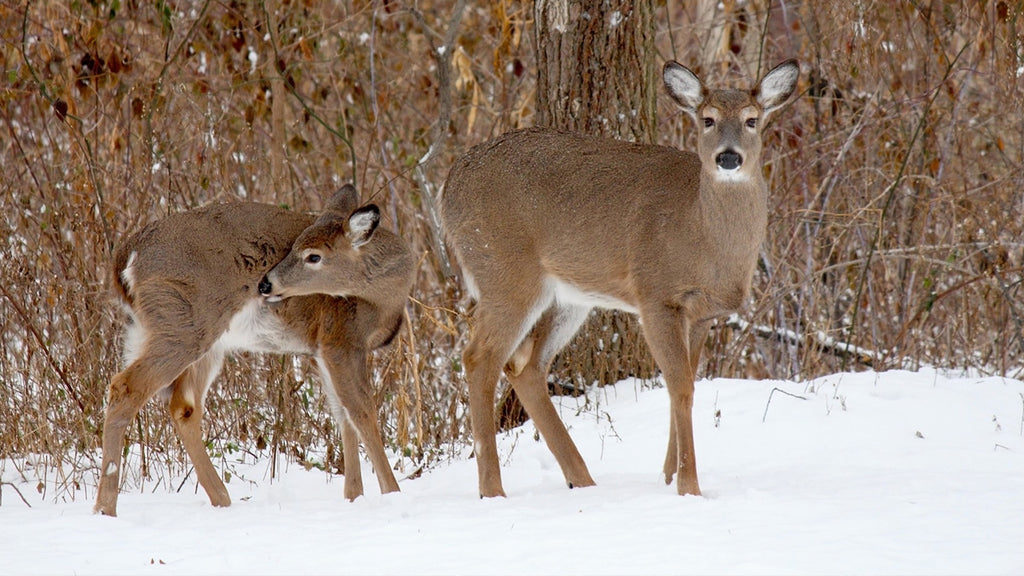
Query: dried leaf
{"type": "Point", "coordinates": [60, 108]}
{"type": "Point", "coordinates": [464, 70]}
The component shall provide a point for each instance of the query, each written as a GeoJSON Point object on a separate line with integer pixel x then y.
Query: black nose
{"type": "Point", "coordinates": [729, 160]}
{"type": "Point", "coordinates": [265, 286]}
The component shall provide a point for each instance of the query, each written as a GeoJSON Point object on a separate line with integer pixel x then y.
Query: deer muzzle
{"type": "Point", "coordinates": [729, 160]}
{"type": "Point", "coordinates": [266, 288]}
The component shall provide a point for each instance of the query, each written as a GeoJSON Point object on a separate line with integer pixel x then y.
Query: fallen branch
{"type": "Point", "coordinates": [817, 341]}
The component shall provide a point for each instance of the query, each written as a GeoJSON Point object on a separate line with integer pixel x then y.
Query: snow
{"type": "Point", "coordinates": [895, 472]}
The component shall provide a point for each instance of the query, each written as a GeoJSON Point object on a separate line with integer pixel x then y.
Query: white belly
{"type": "Point", "coordinates": [568, 294]}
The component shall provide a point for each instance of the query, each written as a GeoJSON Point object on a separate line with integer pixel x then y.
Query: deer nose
{"type": "Point", "coordinates": [728, 160]}
{"type": "Point", "coordinates": [265, 286]}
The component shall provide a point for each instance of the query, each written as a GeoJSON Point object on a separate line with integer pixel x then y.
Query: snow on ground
{"type": "Point", "coordinates": [897, 472]}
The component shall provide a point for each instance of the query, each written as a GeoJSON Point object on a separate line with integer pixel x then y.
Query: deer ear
{"type": "Point", "coordinates": [683, 86]}
{"type": "Point", "coordinates": [778, 85]}
{"type": "Point", "coordinates": [361, 225]}
{"type": "Point", "coordinates": [343, 201]}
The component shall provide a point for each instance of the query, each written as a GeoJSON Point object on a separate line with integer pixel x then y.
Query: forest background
{"type": "Point", "coordinates": [896, 231]}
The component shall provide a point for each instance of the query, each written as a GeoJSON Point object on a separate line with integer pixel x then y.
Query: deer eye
{"type": "Point", "coordinates": [709, 122]}
{"type": "Point", "coordinates": [752, 123]}
{"type": "Point", "coordinates": [313, 259]}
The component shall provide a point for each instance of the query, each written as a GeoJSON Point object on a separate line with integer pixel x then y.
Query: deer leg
{"type": "Point", "coordinates": [129, 391]}
{"type": "Point", "coordinates": [671, 454]}
{"type": "Point", "coordinates": [667, 331]}
{"type": "Point", "coordinates": [346, 372]}
{"type": "Point", "coordinates": [499, 328]}
{"type": "Point", "coordinates": [528, 372]}
{"type": "Point", "coordinates": [186, 409]}
{"type": "Point", "coordinates": [171, 343]}
{"type": "Point", "coordinates": [483, 368]}
{"type": "Point", "coordinates": [698, 335]}
{"type": "Point", "coordinates": [350, 448]}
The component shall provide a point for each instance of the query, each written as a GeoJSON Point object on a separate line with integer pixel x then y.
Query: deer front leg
{"type": "Point", "coordinates": [668, 333]}
{"type": "Point", "coordinates": [697, 338]}
{"type": "Point", "coordinates": [682, 407]}
{"type": "Point", "coordinates": [672, 453]}
{"type": "Point", "coordinates": [350, 449]}
{"type": "Point", "coordinates": [346, 372]}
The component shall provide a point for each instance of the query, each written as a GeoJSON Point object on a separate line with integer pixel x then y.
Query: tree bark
{"type": "Point", "coordinates": [595, 67]}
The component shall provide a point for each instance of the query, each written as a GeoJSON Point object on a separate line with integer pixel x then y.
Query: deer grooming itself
{"type": "Point", "coordinates": [548, 224]}
{"type": "Point", "coordinates": [203, 283]}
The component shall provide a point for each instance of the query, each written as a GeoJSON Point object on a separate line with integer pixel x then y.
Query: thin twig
{"type": "Point", "coordinates": [417, 383]}
{"type": "Point", "coordinates": [446, 328]}
{"type": "Point", "coordinates": [20, 495]}
{"type": "Point", "coordinates": [185, 479]}
{"type": "Point", "coordinates": [60, 108]}
{"type": "Point", "coordinates": [443, 56]}
{"type": "Point", "coordinates": [890, 192]}
{"type": "Point", "coordinates": [43, 347]}
{"type": "Point", "coordinates": [769, 403]}
{"type": "Point", "coordinates": [305, 107]}
{"type": "Point", "coordinates": [818, 341]}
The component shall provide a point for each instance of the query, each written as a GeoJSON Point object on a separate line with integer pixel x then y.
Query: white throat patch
{"type": "Point", "coordinates": [722, 175]}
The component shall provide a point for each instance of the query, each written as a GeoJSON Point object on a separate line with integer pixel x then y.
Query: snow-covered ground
{"type": "Point", "coordinates": [898, 472]}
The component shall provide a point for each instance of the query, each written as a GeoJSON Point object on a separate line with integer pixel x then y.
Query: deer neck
{"type": "Point", "coordinates": [388, 275]}
{"type": "Point", "coordinates": [745, 199]}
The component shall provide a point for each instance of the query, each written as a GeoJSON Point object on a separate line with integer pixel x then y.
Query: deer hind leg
{"type": "Point", "coordinates": [345, 371]}
{"type": "Point", "coordinates": [669, 335]}
{"type": "Point", "coordinates": [528, 370]}
{"type": "Point", "coordinates": [167, 341]}
{"type": "Point", "coordinates": [698, 335]}
{"type": "Point", "coordinates": [129, 391]}
{"type": "Point", "coordinates": [498, 328]}
{"type": "Point", "coordinates": [186, 409]}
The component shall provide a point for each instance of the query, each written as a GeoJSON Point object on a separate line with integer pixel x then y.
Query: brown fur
{"type": "Point", "coordinates": [669, 234]}
{"type": "Point", "coordinates": [185, 277]}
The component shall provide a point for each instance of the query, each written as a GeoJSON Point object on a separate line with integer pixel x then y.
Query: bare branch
{"type": "Point", "coordinates": [443, 56]}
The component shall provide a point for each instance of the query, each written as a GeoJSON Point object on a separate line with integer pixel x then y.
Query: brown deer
{"type": "Point", "coordinates": [548, 224]}
{"type": "Point", "coordinates": [200, 284]}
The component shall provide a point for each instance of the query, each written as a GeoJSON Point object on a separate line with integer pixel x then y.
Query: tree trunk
{"type": "Point", "coordinates": [595, 67]}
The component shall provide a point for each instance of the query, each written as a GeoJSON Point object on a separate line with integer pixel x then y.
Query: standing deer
{"type": "Point", "coordinates": [197, 286]}
{"type": "Point", "coordinates": [549, 224]}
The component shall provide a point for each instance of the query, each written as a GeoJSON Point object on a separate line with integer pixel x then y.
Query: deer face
{"type": "Point", "coordinates": [730, 121]}
{"type": "Point", "coordinates": [327, 258]}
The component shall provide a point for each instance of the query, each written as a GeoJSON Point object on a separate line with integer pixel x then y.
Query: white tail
{"type": "Point", "coordinates": [195, 287]}
{"type": "Point", "coordinates": [547, 225]}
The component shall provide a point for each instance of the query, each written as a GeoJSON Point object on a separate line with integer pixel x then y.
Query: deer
{"type": "Point", "coordinates": [245, 276]}
{"type": "Point", "coordinates": [548, 224]}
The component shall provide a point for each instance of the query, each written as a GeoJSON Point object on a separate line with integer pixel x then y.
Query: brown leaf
{"type": "Point", "coordinates": [60, 108]}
